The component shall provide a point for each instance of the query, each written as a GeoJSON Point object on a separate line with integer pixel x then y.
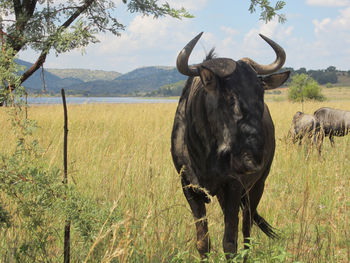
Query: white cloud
{"type": "Point", "coordinates": [334, 28]}
{"type": "Point", "coordinates": [149, 41]}
{"type": "Point", "coordinates": [321, 25]}
{"type": "Point", "coordinates": [229, 30]}
{"type": "Point", "coordinates": [333, 37]}
{"type": "Point", "coordinates": [233, 44]}
{"type": "Point", "coordinates": [146, 41]}
{"type": "Point", "coordinates": [329, 45]}
{"type": "Point", "coordinates": [146, 32]}
{"type": "Point", "coordinates": [258, 49]}
{"type": "Point", "coordinates": [333, 3]}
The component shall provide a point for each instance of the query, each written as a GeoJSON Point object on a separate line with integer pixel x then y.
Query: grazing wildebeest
{"type": "Point", "coordinates": [333, 122]}
{"type": "Point", "coordinates": [304, 126]}
{"type": "Point", "coordinates": [223, 139]}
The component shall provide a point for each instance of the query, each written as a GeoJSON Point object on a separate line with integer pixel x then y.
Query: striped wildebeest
{"type": "Point", "coordinates": [223, 139]}
{"type": "Point", "coordinates": [333, 122]}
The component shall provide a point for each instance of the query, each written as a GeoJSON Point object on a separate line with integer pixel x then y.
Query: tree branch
{"type": "Point", "coordinates": [42, 57]}
{"type": "Point", "coordinates": [18, 7]}
{"type": "Point", "coordinates": [80, 10]}
{"type": "Point", "coordinates": [30, 7]}
{"type": "Point", "coordinates": [23, 13]}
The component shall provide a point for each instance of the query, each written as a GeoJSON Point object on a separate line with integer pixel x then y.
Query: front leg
{"type": "Point", "coordinates": [229, 198]}
{"type": "Point", "coordinates": [331, 139]}
{"type": "Point", "coordinates": [197, 205]}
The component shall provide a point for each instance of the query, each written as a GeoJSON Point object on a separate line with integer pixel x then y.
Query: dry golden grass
{"type": "Point", "coordinates": [123, 151]}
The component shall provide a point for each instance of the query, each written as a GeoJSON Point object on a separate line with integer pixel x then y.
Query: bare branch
{"type": "Point", "coordinates": [41, 59]}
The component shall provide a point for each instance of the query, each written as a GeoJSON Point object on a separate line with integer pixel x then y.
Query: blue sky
{"type": "Point", "coordinates": [316, 35]}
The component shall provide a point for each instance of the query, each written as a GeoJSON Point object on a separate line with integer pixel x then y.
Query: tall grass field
{"type": "Point", "coordinates": [121, 153]}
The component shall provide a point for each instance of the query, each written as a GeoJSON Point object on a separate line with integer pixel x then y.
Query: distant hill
{"type": "Point", "coordinates": [53, 83]}
{"type": "Point", "coordinates": [137, 82]}
{"type": "Point", "coordinates": [84, 74]}
{"type": "Point", "coordinates": [144, 72]}
{"type": "Point", "coordinates": [35, 84]}
{"type": "Point", "coordinates": [145, 81]}
{"type": "Point", "coordinates": [103, 83]}
{"type": "Point", "coordinates": [343, 79]}
{"type": "Point", "coordinates": [168, 90]}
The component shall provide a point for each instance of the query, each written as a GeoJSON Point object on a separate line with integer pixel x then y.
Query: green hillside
{"type": "Point", "coordinates": [137, 82]}
{"type": "Point", "coordinates": [145, 81]}
{"type": "Point", "coordinates": [168, 90]}
{"type": "Point", "coordinates": [82, 82]}
{"type": "Point", "coordinates": [84, 74]}
{"type": "Point", "coordinates": [53, 83]}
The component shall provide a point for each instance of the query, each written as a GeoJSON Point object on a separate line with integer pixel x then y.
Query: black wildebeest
{"type": "Point", "coordinates": [223, 139]}
{"type": "Point", "coordinates": [304, 126]}
{"type": "Point", "coordinates": [333, 122]}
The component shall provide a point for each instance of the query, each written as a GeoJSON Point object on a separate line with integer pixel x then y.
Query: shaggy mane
{"type": "Point", "coordinates": [210, 55]}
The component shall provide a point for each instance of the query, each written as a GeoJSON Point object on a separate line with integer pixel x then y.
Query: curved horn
{"type": "Point", "coordinates": [273, 67]}
{"type": "Point", "coordinates": [182, 58]}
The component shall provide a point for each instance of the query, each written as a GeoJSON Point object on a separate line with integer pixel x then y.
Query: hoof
{"type": "Point", "coordinates": [203, 248]}
{"type": "Point", "coordinates": [230, 250]}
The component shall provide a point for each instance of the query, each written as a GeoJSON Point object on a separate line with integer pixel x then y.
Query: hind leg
{"type": "Point", "coordinates": [251, 201]}
{"type": "Point", "coordinates": [197, 206]}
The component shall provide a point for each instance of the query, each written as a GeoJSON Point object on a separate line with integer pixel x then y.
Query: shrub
{"type": "Point", "coordinates": [35, 203]}
{"type": "Point", "coordinates": [329, 85]}
{"type": "Point", "coordinates": [304, 87]}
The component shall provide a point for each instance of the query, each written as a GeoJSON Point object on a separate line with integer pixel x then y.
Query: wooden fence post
{"type": "Point", "coordinates": [66, 257]}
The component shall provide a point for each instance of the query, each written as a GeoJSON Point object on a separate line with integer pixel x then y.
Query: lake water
{"type": "Point", "coordinates": [84, 100]}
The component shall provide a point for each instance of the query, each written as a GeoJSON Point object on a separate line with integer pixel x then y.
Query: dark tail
{"type": "Point", "coordinates": [265, 227]}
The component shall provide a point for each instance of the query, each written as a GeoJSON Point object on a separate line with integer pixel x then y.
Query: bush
{"type": "Point", "coordinates": [35, 203]}
{"type": "Point", "coordinates": [329, 85]}
{"type": "Point", "coordinates": [304, 87]}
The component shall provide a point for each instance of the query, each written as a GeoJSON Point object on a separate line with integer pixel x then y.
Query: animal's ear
{"type": "Point", "coordinates": [275, 80]}
{"type": "Point", "coordinates": [208, 79]}
{"type": "Point", "coordinates": [297, 115]}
